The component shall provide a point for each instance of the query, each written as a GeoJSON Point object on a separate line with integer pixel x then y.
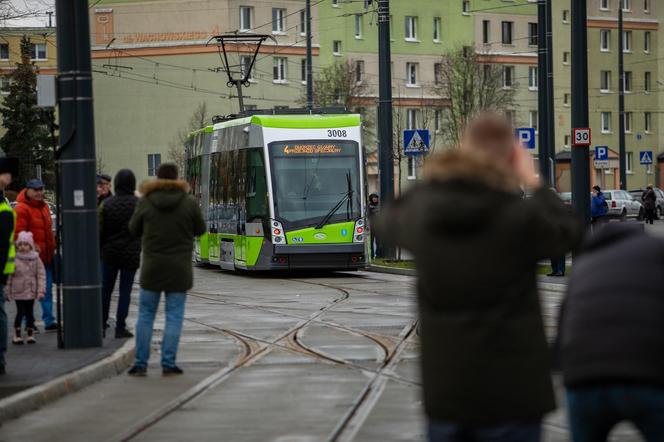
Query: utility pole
{"type": "Point", "coordinates": [80, 236]}
{"type": "Point", "coordinates": [50, 18]}
{"type": "Point", "coordinates": [385, 152]}
{"type": "Point", "coordinates": [580, 155]}
{"type": "Point", "coordinates": [621, 101]}
{"type": "Point", "coordinates": [551, 110]}
{"type": "Point", "coordinates": [542, 93]}
{"type": "Point", "coordinates": [309, 73]}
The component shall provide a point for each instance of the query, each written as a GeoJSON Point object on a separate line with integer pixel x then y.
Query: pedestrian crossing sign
{"type": "Point", "coordinates": [415, 142]}
{"type": "Point", "coordinates": [645, 157]}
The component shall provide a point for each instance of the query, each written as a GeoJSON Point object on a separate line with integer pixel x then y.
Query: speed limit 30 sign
{"type": "Point", "coordinates": [581, 137]}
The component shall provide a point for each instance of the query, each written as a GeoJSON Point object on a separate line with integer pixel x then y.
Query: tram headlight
{"type": "Point", "coordinates": [278, 236]}
{"type": "Point", "coordinates": [359, 231]}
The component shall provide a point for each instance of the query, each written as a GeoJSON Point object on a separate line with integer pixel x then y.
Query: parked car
{"type": "Point", "coordinates": [622, 205]}
{"type": "Point", "coordinates": [637, 193]}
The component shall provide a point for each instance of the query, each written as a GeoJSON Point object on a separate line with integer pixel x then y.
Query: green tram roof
{"type": "Point", "coordinates": [295, 121]}
{"type": "Point", "coordinates": [206, 129]}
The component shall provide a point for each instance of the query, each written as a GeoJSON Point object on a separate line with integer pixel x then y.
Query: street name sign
{"type": "Point", "coordinates": [526, 136]}
{"type": "Point", "coordinates": [645, 157]}
{"type": "Point", "coordinates": [415, 142]}
{"type": "Point", "coordinates": [581, 137]}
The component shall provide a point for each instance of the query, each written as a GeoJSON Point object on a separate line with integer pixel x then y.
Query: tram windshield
{"type": "Point", "coordinates": [310, 178]}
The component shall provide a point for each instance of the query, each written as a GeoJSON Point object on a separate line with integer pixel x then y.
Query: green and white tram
{"type": "Point", "coordinates": [280, 191]}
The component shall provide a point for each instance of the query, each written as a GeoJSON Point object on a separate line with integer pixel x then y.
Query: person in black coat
{"type": "Point", "coordinates": [485, 359]}
{"type": "Point", "coordinates": [120, 250]}
{"type": "Point", "coordinates": [649, 199]}
{"type": "Point", "coordinates": [611, 338]}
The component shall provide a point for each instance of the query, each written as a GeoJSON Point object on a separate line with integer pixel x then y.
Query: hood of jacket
{"type": "Point", "coordinates": [463, 190]}
{"type": "Point", "coordinates": [164, 194]}
{"type": "Point", "coordinates": [23, 198]}
{"type": "Point", "coordinates": [124, 182]}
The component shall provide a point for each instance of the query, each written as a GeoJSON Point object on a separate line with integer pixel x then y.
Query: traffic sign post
{"type": "Point", "coordinates": [601, 157]}
{"type": "Point", "coordinates": [526, 136]}
{"type": "Point", "coordinates": [581, 137]}
{"type": "Point", "coordinates": [415, 142]}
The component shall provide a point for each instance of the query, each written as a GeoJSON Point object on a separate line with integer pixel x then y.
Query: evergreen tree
{"type": "Point", "coordinates": [28, 135]}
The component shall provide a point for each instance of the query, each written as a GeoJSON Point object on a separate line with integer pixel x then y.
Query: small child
{"type": "Point", "coordinates": [26, 284]}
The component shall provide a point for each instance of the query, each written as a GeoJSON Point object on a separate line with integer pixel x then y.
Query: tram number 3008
{"type": "Point", "coordinates": [334, 133]}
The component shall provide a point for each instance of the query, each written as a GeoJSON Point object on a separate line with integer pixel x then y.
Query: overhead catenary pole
{"type": "Point", "coordinates": [309, 67]}
{"type": "Point", "coordinates": [621, 102]}
{"type": "Point", "coordinates": [80, 247]}
{"type": "Point", "coordinates": [385, 151]}
{"type": "Point", "coordinates": [550, 112]}
{"type": "Point", "coordinates": [580, 155]}
{"type": "Point", "coordinates": [542, 93]}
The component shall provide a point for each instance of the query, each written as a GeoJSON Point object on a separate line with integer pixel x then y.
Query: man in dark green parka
{"type": "Point", "coordinates": [166, 219]}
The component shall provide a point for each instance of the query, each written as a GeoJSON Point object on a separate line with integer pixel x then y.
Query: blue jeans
{"type": "Point", "coordinates": [47, 301]}
{"type": "Point", "coordinates": [3, 326]}
{"type": "Point", "coordinates": [441, 431]}
{"type": "Point", "coordinates": [594, 411]}
{"type": "Point", "coordinates": [147, 310]}
{"type": "Point", "coordinates": [109, 275]}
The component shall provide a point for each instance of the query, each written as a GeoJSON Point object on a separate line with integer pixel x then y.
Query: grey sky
{"type": "Point", "coordinates": [39, 7]}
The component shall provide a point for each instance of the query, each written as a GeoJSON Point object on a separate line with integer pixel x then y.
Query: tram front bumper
{"type": "Point", "coordinates": [322, 256]}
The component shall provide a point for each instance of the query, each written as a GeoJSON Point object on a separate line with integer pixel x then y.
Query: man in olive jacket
{"type": "Point", "coordinates": [476, 242]}
{"type": "Point", "coordinates": [167, 219]}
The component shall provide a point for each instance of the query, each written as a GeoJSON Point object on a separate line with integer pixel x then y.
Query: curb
{"type": "Point", "coordinates": [40, 395]}
{"type": "Point", "coordinates": [392, 270]}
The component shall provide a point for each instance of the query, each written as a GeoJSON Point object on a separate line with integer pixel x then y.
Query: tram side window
{"type": "Point", "coordinates": [256, 195]}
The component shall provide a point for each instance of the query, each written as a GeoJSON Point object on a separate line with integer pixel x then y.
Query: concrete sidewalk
{"type": "Point", "coordinates": [41, 372]}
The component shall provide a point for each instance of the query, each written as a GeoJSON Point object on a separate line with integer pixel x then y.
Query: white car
{"type": "Point", "coordinates": [622, 205]}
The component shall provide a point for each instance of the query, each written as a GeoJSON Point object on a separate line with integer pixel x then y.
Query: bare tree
{"type": "Point", "coordinates": [17, 11]}
{"type": "Point", "coordinates": [471, 87]}
{"type": "Point", "coordinates": [199, 119]}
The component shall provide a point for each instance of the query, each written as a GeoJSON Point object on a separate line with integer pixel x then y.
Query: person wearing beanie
{"type": "Point", "coordinates": [8, 166]}
{"type": "Point", "coordinates": [166, 219]}
{"type": "Point", "coordinates": [598, 206]}
{"type": "Point", "coordinates": [26, 284]}
{"type": "Point", "coordinates": [120, 250]}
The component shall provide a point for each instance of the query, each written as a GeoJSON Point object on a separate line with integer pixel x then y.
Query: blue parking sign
{"type": "Point", "coordinates": [526, 136]}
{"type": "Point", "coordinates": [602, 153]}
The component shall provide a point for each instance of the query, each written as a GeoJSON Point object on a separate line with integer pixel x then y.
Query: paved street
{"type": "Point", "coordinates": [267, 358]}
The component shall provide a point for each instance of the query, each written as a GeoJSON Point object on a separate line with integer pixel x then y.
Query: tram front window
{"type": "Point", "coordinates": [310, 178]}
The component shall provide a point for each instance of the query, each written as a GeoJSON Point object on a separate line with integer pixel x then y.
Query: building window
{"type": "Point", "coordinates": [533, 119]}
{"type": "Point", "coordinates": [630, 161]}
{"type": "Point", "coordinates": [565, 16]}
{"type": "Point", "coordinates": [647, 121]}
{"type": "Point", "coordinates": [507, 31]}
{"type": "Point", "coordinates": [486, 31]}
{"type": "Point", "coordinates": [532, 34]}
{"type": "Point", "coordinates": [245, 18]}
{"type": "Point", "coordinates": [566, 99]}
{"type": "Point", "coordinates": [335, 3]}
{"type": "Point", "coordinates": [606, 122]}
{"type": "Point", "coordinates": [154, 161]}
{"type": "Point", "coordinates": [303, 70]}
{"type": "Point", "coordinates": [627, 82]}
{"type": "Point", "coordinates": [604, 5]}
{"type": "Point", "coordinates": [438, 120]}
{"type": "Point", "coordinates": [39, 51]}
{"type": "Point", "coordinates": [358, 25]}
{"type": "Point", "coordinates": [647, 79]}
{"type": "Point", "coordinates": [411, 28]}
{"type": "Point", "coordinates": [647, 41]}
{"type": "Point", "coordinates": [605, 81]}
{"type": "Point", "coordinates": [5, 82]}
{"type": "Point", "coordinates": [336, 47]}
{"type": "Point", "coordinates": [626, 5]}
{"type": "Point", "coordinates": [4, 51]}
{"type": "Point", "coordinates": [509, 114]}
{"type": "Point", "coordinates": [566, 141]}
{"type": "Point", "coordinates": [646, 6]}
{"type": "Point", "coordinates": [412, 168]}
{"type": "Point", "coordinates": [303, 22]}
{"type": "Point", "coordinates": [565, 57]}
{"type": "Point", "coordinates": [359, 71]}
{"type": "Point", "coordinates": [628, 121]}
{"type": "Point", "coordinates": [604, 40]}
{"type": "Point", "coordinates": [508, 77]}
{"type": "Point", "coordinates": [532, 78]}
{"type": "Point", "coordinates": [627, 41]}
{"type": "Point", "coordinates": [436, 29]}
{"type": "Point", "coordinates": [411, 74]}
{"type": "Point", "coordinates": [245, 64]}
{"type": "Point", "coordinates": [278, 20]}
{"type": "Point", "coordinates": [465, 6]}
{"type": "Point", "coordinates": [437, 73]}
{"type": "Point", "coordinates": [279, 70]}
{"type": "Point", "coordinates": [411, 119]}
